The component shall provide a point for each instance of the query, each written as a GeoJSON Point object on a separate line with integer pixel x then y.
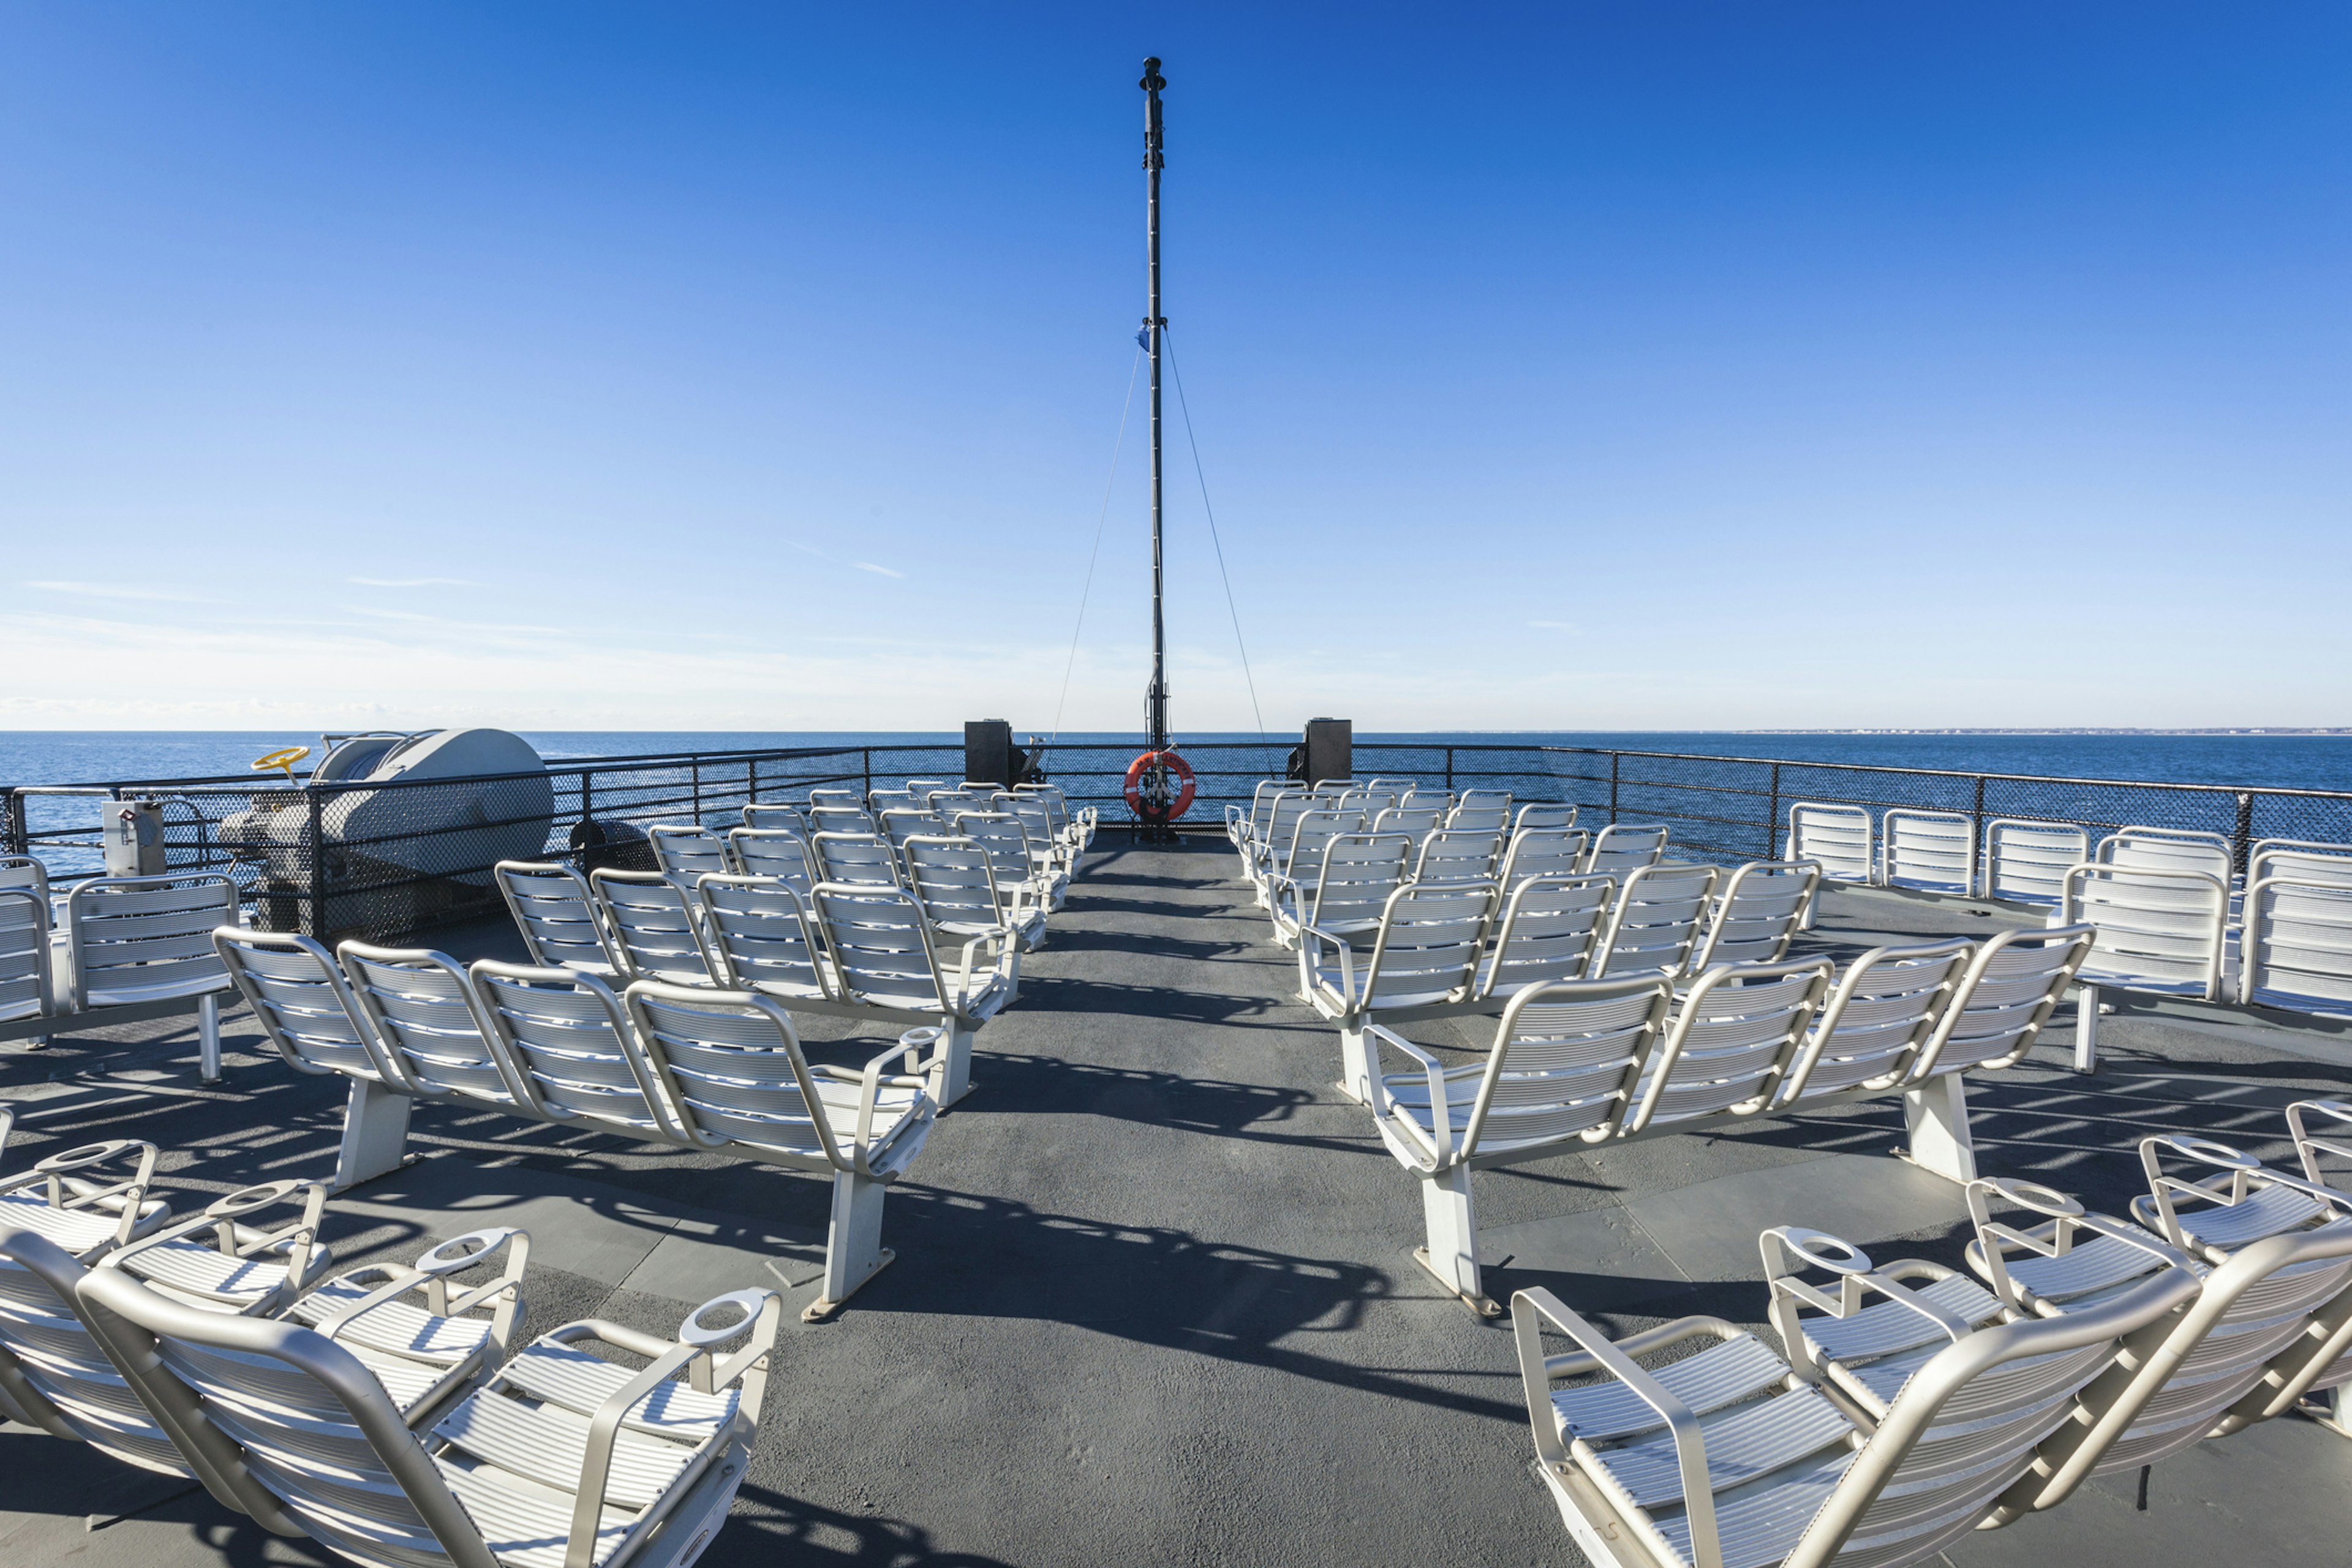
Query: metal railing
{"type": "Point", "coordinates": [341, 860]}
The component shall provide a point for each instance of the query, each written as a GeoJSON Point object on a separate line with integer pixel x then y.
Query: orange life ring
{"type": "Point", "coordinates": [1174, 764]}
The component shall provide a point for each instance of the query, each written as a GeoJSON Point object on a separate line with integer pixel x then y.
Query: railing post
{"type": "Point", "coordinates": [869, 772]}
{"type": "Point", "coordinates": [694, 775]}
{"type": "Point", "coordinates": [317, 843]}
{"type": "Point", "coordinates": [1772, 817]}
{"type": "Point", "coordinates": [20, 837]}
{"type": "Point", "coordinates": [587, 793]}
{"type": "Point", "coordinates": [1613, 758]}
{"type": "Point", "coordinates": [1449, 771]}
{"type": "Point", "coordinates": [2241, 841]}
{"type": "Point", "coordinates": [751, 780]}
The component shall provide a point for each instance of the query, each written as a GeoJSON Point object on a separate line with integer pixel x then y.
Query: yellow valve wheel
{"type": "Point", "coordinates": [285, 758]}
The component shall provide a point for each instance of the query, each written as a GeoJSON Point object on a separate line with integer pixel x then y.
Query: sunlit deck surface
{"type": "Point", "coordinates": [1154, 1299]}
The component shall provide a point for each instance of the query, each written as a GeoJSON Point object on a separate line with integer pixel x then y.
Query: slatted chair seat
{"type": "Point", "coordinates": [1030, 879]}
{"type": "Point", "coordinates": [396, 1326]}
{"type": "Point", "coordinates": [427, 1018]}
{"type": "Point", "coordinates": [26, 990]}
{"type": "Point", "coordinates": [1415, 821]}
{"type": "Point", "coordinates": [1776, 1475]}
{"type": "Point", "coordinates": [218, 1261]}
{"type": "Point", "coordinates": [953, 879]}
{"type": "Point", "coordinates": [87, 1199]}
{"type": "Point", "coordinates": [1544, 816]}
{"type": "Point", "coordinates": [1737, 1369]}
{"type": "Point", "coordinates": [511, 1477]}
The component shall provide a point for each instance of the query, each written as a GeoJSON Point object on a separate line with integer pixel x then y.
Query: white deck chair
{"type": "Point", "coordinates": [1486, 799]}
{"type": "Point", "coordinates": [864, 859]}
{"type": "Point", "coordinates": [2025, 861]}
{"type": "Point", "coordinates": [429, 1021]}
{"type": "Point", "coordinates": [1359, 871]}
{"type": "Point", "coordinates": [1020, 845]}
{"type": "Point", "coordinates": [1543, 852]}
{"type": "Point", "coordinates": [302, 999]}
{"type": "Point", "coordinates": [1472, 816]}
{"type": "Point", "coordinates": [1418, 821]}
{"type": "Point", "coordinates": [1928, 852]}
{"type": "Point", "coordinates": [26, 989]}
{"type": "Point", "coordinates": [1737, 1031]}
{"type": "Point", "coordinates": [2166, 849]}
{"type": "Point", "coordinates": [651, 917]}
{"type": "Point", "coordinates": [2183, 1375]}
{"type": "Point", "coordinates": [1655, 927]}
{"type": "Point", "coordinates": [757, 936]}
{"type": "Point", "coordinates": [687, 849]}
{"type": "Point", "coordinates": [1756, 913]}
{"type": "Point", "coordinates": [563, 1041]}
{"type": "Point", "coordinates": [768, 815]}
{"type": "Point", "coordinates": [1264, 859]}
{"type": "Point", "coordinates": [1076, 825]}
{"type": "Point", "coordinates": [1549, 928]}
{"type": "Point", "coordinates": [776, 852]}
{"type": "Point", "coordinates": [1421, 798]}
{"type": "Point", "coordinates": [557, 915]}
{"type": "Point", "coordinates": [1300, 862]}
{"type": "Point", "coordinates": [1838, 838]}
{"type": "Point", "coordinates": [2301, 860]}
{"type": "Point", "coordinates": [886, 961]}
{"type": "Point", "coordinates": [898, 825]}
{"type": "Point", "coordinates": [878, 801]}
{"type": "Point", "coordinates": [1544, 814]}
{"type": "Point", "coordinates": [1424, 964]}
{"type": "Point", "coordinates": [1458, 856]}
{"type": "Point", "coordinates": [150, 939]}
{"type": "Point", "coordinates": [731, 1063]}
{"type": "Point", "coordinates": [563, 1457]}
{"type": "Point", "coordinates": [840, 819]}
{"type": "Point", "coordinates": [1998, 1010]}
{"type": "Point", "coordinates": [1244, 823]}
{"type": "Point", "coordinates": [950, 877]}
{"type": "Point", "coordinates": [1560, 1076]}
{"type": "Point", "coordinates": [1731, 1458]}
{"type": "Point", "coordinates": [1877, 1018]}
{"type": "Point", "coordinates": [833, 795]}
{"type": "Point", "coordinates": [1623, 848]}
{"type": "Point", "coordinates": [2161, 929]}
{"type": "Point", "coordinates": [2295, 950]}
{"type": "Point", "coordinates": [218, 1261]}
{"type": "Point", "coordinates": [85, 1200]}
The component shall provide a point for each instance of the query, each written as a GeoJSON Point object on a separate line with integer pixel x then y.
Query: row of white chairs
{"type": "Point", "coordinates": [110, 943]}
{"type": "Point", "coordinates": [385, 1413]}
{"type": "Point", "coordinates": [1263, 834]}
{"type": "Point", "coordinates": [1285, 882]}
{"type": "Point", "coordinates": [1911, 1404]}
{"type": "Point", "coordinates": [699, 1068]}
{"type": "Point", "coordinates": [1577, 1064]}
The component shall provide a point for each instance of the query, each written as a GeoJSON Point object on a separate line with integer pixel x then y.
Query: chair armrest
{"type": "Point", "coordinates": [1347, 958]}
{"type": "Point", "coordinates": [1441, 1113]}
{"type": "Point", "coordinates": [1530, 1309]}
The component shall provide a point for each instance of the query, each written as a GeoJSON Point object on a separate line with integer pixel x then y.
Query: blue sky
{"type": "Point", "coordinates": [577, 366]}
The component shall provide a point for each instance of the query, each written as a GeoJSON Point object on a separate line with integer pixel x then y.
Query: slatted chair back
{"type": "Point", "coordinates": [833, 795]}
{"type": "Point", "coordinates": [1281, 823]}
{"type": "Point", "coordinates": [1054, 802]}
{"type": "Point", "coordinates": [1421, 798]}
{"type": "Point", "coordinates": [305, 1009]}
{"type": "Point", "coordinates": [1544, 814]}
{"type": "Point", "coordinates": [305, 1437]}
{"type": "Point", "coordinates": [1472, 816]}
{"type": "Point", "coordinates": [1549, 928]}
{"type": "Point", "coordinates": [1928, 851]}
{"type": "Point", "coordinates": [147, 939]}
{"type": "Point", "coordinates": [556, 912]}
{"type": "Point", "coordinates": [1047, 843]}
{"type": "Point", "coordinates": [731, 1064]}
{"type": "Point", "coordinates": [774, 852]}
{"type": "Point", "coordinates": [1302, 858]}
{"type": "Point", "coordinates": [1418, 822]}
{"type": "Point", "coordinates": [953, 879]}
{"type": "Point", "coordinates": [765, 816]}
{"type": "Point", "coordinates": [1488, 798]}
{"type": "Point", "coordinates": [866, 859]}
{"type": "Point", "coordinates": [758, 936]}
{"type": "Point", "coordinates": [1876, 1018]}
{"type": "Point", "coordinates": [841, 819]}
{"type": "Point", "coordinates": [428, 1019]}
{"type": "Point", "coordinates": [2004, 1000]}
{"type": "Point", "coordinates": [1838, 838]}
{"type": "Point", "coordinates": [687, 849]}
{"type": "Point", "coordinates": [1427, 949]}
{"type": "Point", "coordinates": [1252, 824]}
{"type": "Point", "coordinates": [2166, 849]}
{"type": "Point", "coordinates": [2301, 860]}
{"type": "Point", "coordinates": [881, 946]}
{"type": "Point", "coordinates": [54, 1375]}
{"type": "Point", "coordinates": [2161, 928]}
{"type": "Point", "coordinates": [947, 805]}
{"type": "Point", "coordinates": [24, 873]}
{"type": "Point", "coordinates": [1360, 871]}
{"type": "Point", "coordinates": [1544, 852]}
{"type": "Point", "coordinates": [2295, 950]}
{"type": "Point", "coordinates": [1005, 840]}
{"type": "Point", "coordinates": [1655, 927]}
{"type": "Point", "coordinates": [1623, 848]}
{"type": "Point", "coordinates": [1756, 915]}
{"type": "Point", "coordinates": [897, 826]}
{"type": "Point", "coordinates": [878, 801]}
{"type": "Point", "coordinates": [2025, 860]}
{"type": "Point", "coordinates": [25, 991]}
{"type": "Point", "coordinates": [1736, 1034]}
{"type": "Point", "coordinates": [568, 1047]}
{"type": "Point", "coordinates": [651, 917]}
{"type": "Point", "coordinates": [1565, 1062]}
{"type": "Point", "coordinates": [1458, 856]}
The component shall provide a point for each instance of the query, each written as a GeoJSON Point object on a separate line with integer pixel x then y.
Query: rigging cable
{"type": "Point", "coordinates": [1195, 442]}
{"type": "Point", "coordinates": [1108, 485]}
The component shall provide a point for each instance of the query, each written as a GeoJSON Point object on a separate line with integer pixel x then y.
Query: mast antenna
{"type": "Point", "coordinates": [1155, 697]}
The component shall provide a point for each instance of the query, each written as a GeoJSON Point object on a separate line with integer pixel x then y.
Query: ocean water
{"type": "Point", "coordinates": [2289, 762]}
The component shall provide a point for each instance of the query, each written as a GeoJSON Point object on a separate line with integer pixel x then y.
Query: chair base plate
{"type": "Point", "coordinates": [1484, 1306]}
{"type": "Point", "coordinates": [818, 1311]}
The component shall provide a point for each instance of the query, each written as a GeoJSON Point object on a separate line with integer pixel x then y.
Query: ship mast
{"type": "Point", "coordinates": [1155, 697]}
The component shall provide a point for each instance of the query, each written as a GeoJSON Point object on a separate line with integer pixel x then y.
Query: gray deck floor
{"type": "Point", "coordinates": [1153, 1299]}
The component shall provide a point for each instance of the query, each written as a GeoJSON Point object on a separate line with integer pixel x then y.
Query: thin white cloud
{"type": "Point", "coordinates": [878, 571]}
{"type": "Point", "coordinates": [413, 582]}
{"type": "Point", "coordinates": [1554, 626]}
{"type": "Point", "coordinates": [112, 591]}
